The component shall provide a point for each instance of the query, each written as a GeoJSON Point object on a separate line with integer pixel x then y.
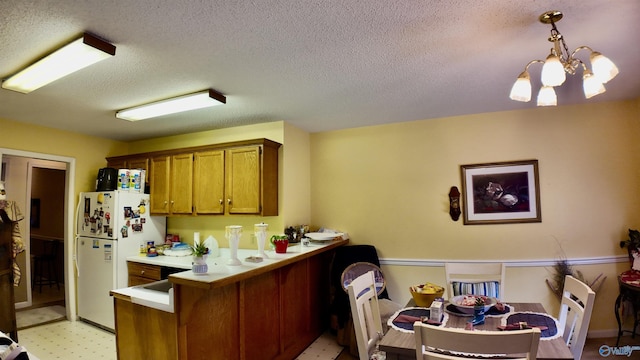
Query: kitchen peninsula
{"type": "Point", "coordinates": [273, 309]}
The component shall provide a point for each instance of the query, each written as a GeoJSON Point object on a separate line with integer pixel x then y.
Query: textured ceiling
{"type": "Point", "coordinates": [320, 65]}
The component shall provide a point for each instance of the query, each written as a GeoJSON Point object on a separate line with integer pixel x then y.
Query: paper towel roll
{"type": "Point", "coordinates": [135, 181]}
{"type": "Point", "coordinates": [123, 179]}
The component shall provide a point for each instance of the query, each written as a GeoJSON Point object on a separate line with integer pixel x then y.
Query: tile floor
{"type": "Point", "coordinates": [66, 340]}
{"type": "Point", "coordinates": [78, 340]}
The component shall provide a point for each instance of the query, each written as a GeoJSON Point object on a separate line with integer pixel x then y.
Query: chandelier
{"type": "Point", "coordinates": [561, 62]}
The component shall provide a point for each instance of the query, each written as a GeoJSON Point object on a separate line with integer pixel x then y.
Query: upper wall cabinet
{"type": "Point", "coordinates": [222, 179]}
{"type": "Point", "coordinates": [131, 162]}
{"type": "Point", "coordinates": [172, 184]}
{"type": "Point", "coordinates": [208, 184]}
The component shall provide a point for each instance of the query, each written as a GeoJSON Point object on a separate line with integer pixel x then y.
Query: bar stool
{"type": "Point", "coordinates": [45, 271]}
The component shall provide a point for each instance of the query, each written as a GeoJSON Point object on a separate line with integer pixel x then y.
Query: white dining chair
{"type": "Point", "coordinates": [575, 314]}
{"type": "Point", "coordinates": [465, 278]}
{"type": "Point", "coordinates": [436, 342]}
{"type": "Point", "coordinates": [365, 312]}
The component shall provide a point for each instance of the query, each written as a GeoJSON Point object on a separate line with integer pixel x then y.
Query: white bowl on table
{"type": "Point", "coordinates": [461, 303]}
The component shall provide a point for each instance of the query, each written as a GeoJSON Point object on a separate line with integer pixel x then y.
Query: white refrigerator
{"type": "Point", "coordinates": [110, 226]}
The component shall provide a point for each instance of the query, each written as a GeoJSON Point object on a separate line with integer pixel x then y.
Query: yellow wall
{"type": "Point", "coordinates": [388, 186]}
{"type": "Point", "coordinates": [89, 151]}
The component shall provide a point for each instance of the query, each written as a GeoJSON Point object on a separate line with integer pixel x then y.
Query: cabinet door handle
{"type": "Point", "coordinates": [221, 201]}
{"type": "Point", "coordinates": [142, 272]}
{"type": "Point", "coordinates": [229, 201]}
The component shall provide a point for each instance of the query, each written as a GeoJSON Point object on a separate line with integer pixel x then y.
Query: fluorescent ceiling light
{"type": "Point", "coordinates": [182, 103]}
{"type": "Point", "coordinates": [70, 58]}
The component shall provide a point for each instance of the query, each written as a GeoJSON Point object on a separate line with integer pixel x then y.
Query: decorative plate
{"type": "Point", "coordinates": [322, 236]}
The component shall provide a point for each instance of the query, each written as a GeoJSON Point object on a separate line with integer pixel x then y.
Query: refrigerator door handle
{"type": "Point", "coordinates": [75, 238]}
{"type": "Point", "coordinates": [75, 256]}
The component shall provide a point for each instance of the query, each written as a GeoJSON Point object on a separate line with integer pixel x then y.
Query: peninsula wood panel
{"type": "Point", "coordinates": [295, 305]}
{"type": "Point", "coordinates": [140, 331]}
{"type": "Point", "coordinates": [259, 316]}
{"type": "Point", "coordinates": [208, 322]}
{"type": "Point", "coordinates": [267, 316]}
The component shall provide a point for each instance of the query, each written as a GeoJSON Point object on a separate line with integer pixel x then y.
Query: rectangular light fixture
{"type": "Point", "coordinates": [72, 57]}
{"type": "Point", "coordinates": [182, 103]}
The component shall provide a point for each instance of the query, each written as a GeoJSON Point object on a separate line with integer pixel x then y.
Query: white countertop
{"type": "Point", "coordinates": [150, 298]}
{"type": "Point", "coordinates": [218, 269]}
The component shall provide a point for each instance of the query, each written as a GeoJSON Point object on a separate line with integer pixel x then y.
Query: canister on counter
{"type": "Point", "coordinates": [436, 310]}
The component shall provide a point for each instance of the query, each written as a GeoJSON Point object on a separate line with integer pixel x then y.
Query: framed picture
{"type": "Point", "coordinates": [501, 193]}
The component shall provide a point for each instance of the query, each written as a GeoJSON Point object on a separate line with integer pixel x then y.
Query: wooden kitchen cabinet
{"type": "Point", "coordinates": [139, 163]}
{"type": "Point", "coordinates": [238, 180]}
{"type": "Point", "coordinates": [128, 162]}
{"type": "Point", "coordinates": [252, 179]}
{"type": "Point", "coordinates": [140, 274]}
{"type": "Point", "coordinates": [243, 180]}
{"type": "Point", "coordinates": [208, 182]}
{"type": "Point", "coordinates": [220, 179]}
{"type": "Point", "coordinates": [171, 184]}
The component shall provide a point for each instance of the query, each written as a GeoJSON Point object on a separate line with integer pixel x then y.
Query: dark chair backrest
{"type": "Point", "coordinates": [345, 256]}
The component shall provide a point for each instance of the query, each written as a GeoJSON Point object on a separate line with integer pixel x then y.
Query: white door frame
{"type": "Point", "coordinates": [69, 221]}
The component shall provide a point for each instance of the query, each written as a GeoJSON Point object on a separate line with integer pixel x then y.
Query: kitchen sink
{"type": "Point", "coordinates": [162, 286]}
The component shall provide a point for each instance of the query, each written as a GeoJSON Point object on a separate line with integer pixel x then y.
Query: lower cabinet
{"type": "Point", "coordinates": [274, 315]}
{"type": "Point", "coordinates": [143, 332]}
{"type": "Point", "coordinates": [140, 274]}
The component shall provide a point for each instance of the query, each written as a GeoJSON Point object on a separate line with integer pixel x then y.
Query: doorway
{"type": "Point", "coordinates": [20, 169]}
{"type": "Point", "coordinates": [46, 240]}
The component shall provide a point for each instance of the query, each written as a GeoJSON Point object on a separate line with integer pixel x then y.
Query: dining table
{"type": "Point", "coordinates": [400, 344]}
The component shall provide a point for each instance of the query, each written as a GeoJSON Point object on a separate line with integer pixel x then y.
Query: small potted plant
{"type": "Point", "coordinates": [199, 249]}
{"type": "Point", "coordinates": [199, 252]}
{"type": "Point", "coordinates": [280, 242]}
{"type": "Point", "coordinates": [478, 311]}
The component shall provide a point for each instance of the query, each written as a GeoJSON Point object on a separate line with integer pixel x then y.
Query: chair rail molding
{"type": "Point", "coordinates": [508, 263]}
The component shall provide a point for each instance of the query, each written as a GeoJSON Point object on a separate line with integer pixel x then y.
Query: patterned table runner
{"type": "Point", "coordinates": [403, 319]}
{"type": "Point", "coordinates": [535, 319]}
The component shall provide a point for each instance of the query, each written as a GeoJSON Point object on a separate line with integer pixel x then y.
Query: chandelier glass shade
{"type": "Point", "coordinates": [561, 62]}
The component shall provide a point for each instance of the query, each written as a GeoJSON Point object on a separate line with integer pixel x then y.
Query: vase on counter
{"type": "Point", "coordinates": [199, 265]}
{"type": "Point", "coordinates": [233, 233]}
{"type": "Point", "coordinates": [260, 231]}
